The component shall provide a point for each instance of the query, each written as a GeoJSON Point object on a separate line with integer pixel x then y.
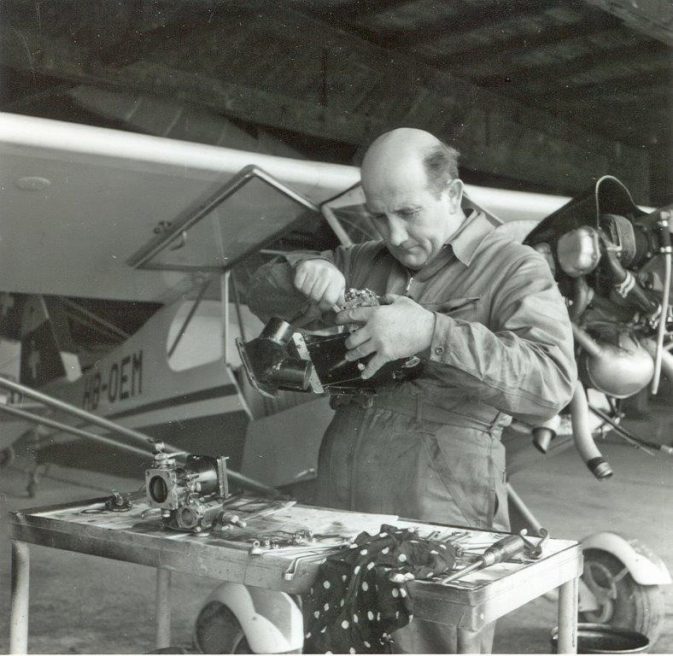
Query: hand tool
{"type": "Point", "coordinates": [500, 551]}
{"type": "Point", "coordinates": [534, 549]}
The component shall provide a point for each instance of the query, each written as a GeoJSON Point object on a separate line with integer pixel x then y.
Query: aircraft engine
{"type": "Point", "coordinates": [612, 262]}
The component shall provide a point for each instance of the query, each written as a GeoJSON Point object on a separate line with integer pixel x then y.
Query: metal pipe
{"type": "Point", "coordinates": [77, 412]}
{"type": "Point", "coordinates": [240, 479]}
{"type": "Point", "coordinates": [662, 319]}
{"type": "Point", "coordinates": [586, 341]}
{"type": "Point", "coordinates": [568, 602]}
{"type": "Point", "coordinates": [584, 441]}
{"type": "Point", "coordinates": [163, 608]}
{"type": "Point", "coordinates": [52, 423]}
{"type": "Point", "coordinates": [522, 508]}
{"type": "Point", "coordinates": [188, 318]}
{"type": "Point", "coordinates": [18, 621]}
{"type": "Point", "coordinates": [334, 223]}
{"type": "Point", "coordinates": [96, 321]}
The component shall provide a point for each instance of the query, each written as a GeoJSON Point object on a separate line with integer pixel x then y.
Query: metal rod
{"type": "Point", "coordinates": [463, 572]}
{"type": "Point", "coordinates": [94, 318]}
{"type": "Point", "coordinates": [77, 412]}
{"type": "Point", "coordinates": [188, 318]}
{"type": "Point", "coordinates": [18, 621]}
{"type": "Point", "coordinates": [567, 617]}
{"type": "Point", "coordinates": [663, 223]}
{"type": "Point", "coordinates": [163, 608]}
{"type": "Point", "coordinates": [521, 507]}
{"type": "Point", "coordinates": [240, 479]}
{"type": "Point", "coordinates": [251, 483]}
{"type": "Point", "coordinates": [237, 306]}
{"type": "Point", "coordinates": [52, 423]}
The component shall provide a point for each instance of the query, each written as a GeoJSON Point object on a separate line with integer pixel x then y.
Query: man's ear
{"type": "Point", "coordinates": [455, 191]}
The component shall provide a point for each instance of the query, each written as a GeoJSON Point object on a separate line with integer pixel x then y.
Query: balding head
{"type": "Point", "coordinates": [413, 193]}
{"type": "Point", "coordinates": [399, 151]}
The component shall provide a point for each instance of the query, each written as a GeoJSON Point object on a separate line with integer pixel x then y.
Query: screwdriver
{"type": "Point", "coordinates": [500, 551]}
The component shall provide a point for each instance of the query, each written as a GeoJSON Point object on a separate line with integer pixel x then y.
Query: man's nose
{"type": "Point", "coordinates": [397, 232]}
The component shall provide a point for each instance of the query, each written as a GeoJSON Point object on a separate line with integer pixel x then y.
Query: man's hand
{"type": "Point", "coordinates": [391, 332]}
{"type": "Point", "coordinates": [320, 281]}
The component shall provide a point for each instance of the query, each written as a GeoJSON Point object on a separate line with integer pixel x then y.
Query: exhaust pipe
{"type": "Point", "coordinates": [584, 440]}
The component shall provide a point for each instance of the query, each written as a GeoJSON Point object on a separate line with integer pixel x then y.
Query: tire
{"type": "Point", "coordinates": [217, 631]}
{"type": "Point", "coordinates": [623, 602]}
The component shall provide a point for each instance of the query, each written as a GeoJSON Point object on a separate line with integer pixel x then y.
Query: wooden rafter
{"type": "Point", "coordinates": [496, 134]}
{"type": "Point", "coordinates": [530, 58]}
{"type": "Point", "coordinates": [464, 23]}
{"type": "Point", "coordinates": [499, 54]}
{"type": "Point", "coordinates": [594, 67]}
{"type": "Point", "coordinates": [651, 17]}
{"type": "Point", "coordinates": [657, 82]}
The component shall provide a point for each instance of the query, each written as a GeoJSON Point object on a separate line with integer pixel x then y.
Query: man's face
{"type": "Point", "coordinates": [414, 221]}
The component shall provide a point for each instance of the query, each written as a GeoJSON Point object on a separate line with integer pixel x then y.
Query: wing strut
{"type": "Point", "coordinates": [146, 440]}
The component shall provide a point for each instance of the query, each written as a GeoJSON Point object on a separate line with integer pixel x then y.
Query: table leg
{"type": "Point", "coordinates": [567, 617]}
{"type": "Point", "coordinates": [18, 622]}
{"type": "Point", "coordinates": [469, 642]}
{"type": "Point", "coordinates": [163, 608]}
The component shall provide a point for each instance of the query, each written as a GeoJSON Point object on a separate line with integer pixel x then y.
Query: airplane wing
{"type": "Point", "coordinates": [80, 201]}
{"type": "Point", "coordinates": [85, 209]}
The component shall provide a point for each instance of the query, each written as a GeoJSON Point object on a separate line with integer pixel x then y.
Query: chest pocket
{"type": "Point", "coordinates": [469, 308]}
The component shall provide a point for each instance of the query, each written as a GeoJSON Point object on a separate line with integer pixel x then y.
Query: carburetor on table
{"type": "Point", "coordinates": [189, 494]}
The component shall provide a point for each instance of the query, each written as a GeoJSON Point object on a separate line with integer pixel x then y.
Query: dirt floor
{"type": "Point", "coordinates": [83, 604]}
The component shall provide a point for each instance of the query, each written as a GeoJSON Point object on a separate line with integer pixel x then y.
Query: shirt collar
{"type": "Point", "coordinates": [466, 240]}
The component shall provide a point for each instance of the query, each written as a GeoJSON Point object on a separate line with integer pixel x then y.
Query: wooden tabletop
{"type": "Point", "coordinates": [138, 536]}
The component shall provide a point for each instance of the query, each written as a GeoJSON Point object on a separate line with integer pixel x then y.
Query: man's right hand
{"type": "Point", "coordinates": [320, 281]}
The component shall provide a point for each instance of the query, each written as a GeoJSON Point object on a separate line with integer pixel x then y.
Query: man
{"type": "Point", "coordinates": [484, 315]}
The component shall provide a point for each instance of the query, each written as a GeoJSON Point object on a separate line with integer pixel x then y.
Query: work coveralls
{"type": "Point", "coordinates": [430, 448]}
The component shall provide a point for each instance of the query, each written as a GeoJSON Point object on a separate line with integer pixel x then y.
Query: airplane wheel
{"type": "Point", "coordinates": [217, 631]}
{"type": "Point", "coordinates": [623, 602]}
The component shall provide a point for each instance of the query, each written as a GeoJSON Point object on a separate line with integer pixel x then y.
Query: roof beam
{"type": "Point", "coordinates": [464, 22]}
{"type": "Point", "coordinates": [375, 90]}
{"type": "Point", "coordinates": [593, 23]}
{"type": "Point", "coordinates": [634, 85]}
{"type": "Point", "coordinates": [360, 9]}
{"type": "Point", "coordinates": [587, 69]}
{"type": "Point", "coordinates": [524, 44]}
{"type": "Point", "coordinates": [651, 17]}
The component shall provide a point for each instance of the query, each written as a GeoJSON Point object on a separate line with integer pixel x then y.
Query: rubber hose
{"type": "Point", "coordinates": [584, 440]}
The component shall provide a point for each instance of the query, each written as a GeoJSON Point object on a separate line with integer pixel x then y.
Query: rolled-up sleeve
{"type": "Point", "coordinates": [523, 364]}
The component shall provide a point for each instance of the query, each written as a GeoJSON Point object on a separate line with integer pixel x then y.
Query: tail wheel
{"type": "Point", "coordinates": [217, 631]}
{"type": "Point", "coordinates": [622, 602]}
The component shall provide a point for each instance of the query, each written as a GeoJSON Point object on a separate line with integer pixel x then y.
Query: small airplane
{"type": "Point", "coordinates": [124, 260]}
{"type": "Point", "coordinates": [105, 232]}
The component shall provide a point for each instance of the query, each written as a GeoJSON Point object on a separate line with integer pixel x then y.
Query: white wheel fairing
{"type": "Point", "coordinates": [271, 620]}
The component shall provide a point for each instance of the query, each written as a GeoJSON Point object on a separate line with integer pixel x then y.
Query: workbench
{"type": "Point", "coordinates": [137, 536]}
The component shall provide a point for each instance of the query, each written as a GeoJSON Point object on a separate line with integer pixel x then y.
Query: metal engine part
{"type": "Point", "coordinates": [282, 358]}
{"type": "Point", "coordinates": [605, 248]}
{"type": "Point", "coordinates": [190, 495]}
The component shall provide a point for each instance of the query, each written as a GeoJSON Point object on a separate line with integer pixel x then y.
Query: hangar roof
{"type": "Point", "coordinates": [540, 94]}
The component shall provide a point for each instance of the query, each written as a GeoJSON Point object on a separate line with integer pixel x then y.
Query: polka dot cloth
{"type": "Point", "coordinates": [370, 606]}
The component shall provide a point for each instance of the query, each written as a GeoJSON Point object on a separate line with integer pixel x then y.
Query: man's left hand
{"type": "Point", "coordinates": [391, 332]}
